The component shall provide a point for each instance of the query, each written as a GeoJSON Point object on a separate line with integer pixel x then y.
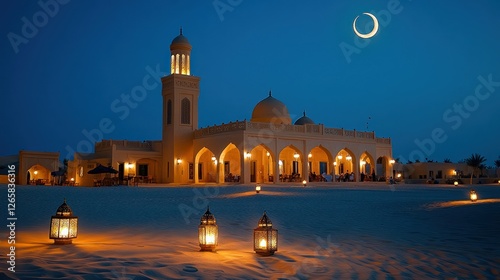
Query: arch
{"type": "Point", "coordinates": [183, 64]}
{"type": "Point", "coordinates": [344, 162]}
{"type": "Point", "coordinates": [230, 162]}
{"type": "Point", "coordinates": [185, 111]}
{"type": "Point", "coordinates": [39, 175]}
{"type": "Point", "coordinates": [382, 169]}
{"type": "Point", "coordinates": [169, 111]}
{"type": "Point", "coordinates": [177, 63]}
{"type": "Point", "coordinates": [320, 163]}
{"type": "Point", "coordinates": [366, 166]}
{"type": "Point", "coordinates": [261, 164]}
{"type": "Point", "coordinates": [172, 64]}
{"type": "Point", "coordinates": [290, 164]}
{"type": "Point", "coordinates": [205, 167]}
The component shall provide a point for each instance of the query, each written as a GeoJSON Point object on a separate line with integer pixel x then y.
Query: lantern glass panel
{"type": "Point", "coordinates": [208, 235]}
{"type": "Point", "coordinates": [265, 241]}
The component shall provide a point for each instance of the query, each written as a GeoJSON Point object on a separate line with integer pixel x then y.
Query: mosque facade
{"type": "Point", "coordinates": [268, 148]}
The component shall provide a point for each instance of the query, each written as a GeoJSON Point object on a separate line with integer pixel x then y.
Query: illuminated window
{"type": "Point", "coordinates": [188, 72]}
{"type": "Point", "coordinates": [177, 64]}
{"type": "Point", "coordinates": [169, 111]}
{"type": "Point", "coordinates": [185, 111]}
{"type": "Point", "coordinates": [183, 64]}
{"type": "Point", "coordinates": [172, 64]}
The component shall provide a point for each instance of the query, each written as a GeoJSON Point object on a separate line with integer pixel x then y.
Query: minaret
{"type": "Point", "coordinates": [180, 93]}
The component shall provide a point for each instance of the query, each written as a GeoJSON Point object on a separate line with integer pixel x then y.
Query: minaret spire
{"type": "Point", "coordinates": [181, 30]}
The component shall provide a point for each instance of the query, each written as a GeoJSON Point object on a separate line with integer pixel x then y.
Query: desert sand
{"type": "Point", "coordinates": [326, 231]}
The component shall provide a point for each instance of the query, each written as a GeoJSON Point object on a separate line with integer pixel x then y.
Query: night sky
{"type": "Point", "coordinates": [429, 79]}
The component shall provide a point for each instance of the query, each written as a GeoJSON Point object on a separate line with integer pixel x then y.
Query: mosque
{"type": "Point", "coordinates": [268, 148]}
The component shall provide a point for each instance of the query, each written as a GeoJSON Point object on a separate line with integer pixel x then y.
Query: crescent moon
{"type": "Point", "coordinates": [368, 35]}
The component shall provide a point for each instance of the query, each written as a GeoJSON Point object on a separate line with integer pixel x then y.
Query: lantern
{"type": "Point", "coordinates": [208, 232]}
{"type": "Point", "coordinates": [63, 226]}
{"type": "Point", "coordinates": [455, 183]}
{"type": "Point", "coordinates": [304, 183]}
{"type": "Point", "coordinates": [473, 195]}
{"type": "Point", "coordinates": [265, 238]}
{"type": "Point", "coordinates": [257, 189]}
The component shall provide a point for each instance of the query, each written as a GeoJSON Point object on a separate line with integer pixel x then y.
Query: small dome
{"type": "Point", "coordinates": [64, 210]}
{"type": "Point", "coordinates": [180, 42]}
{"type": "Point", "coordinates": [271, 110]}
{"type": "Point", "coordinates": [304, 120]}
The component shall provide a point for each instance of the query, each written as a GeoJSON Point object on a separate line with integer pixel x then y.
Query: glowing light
{"type": "Point", "coordinates": [335, 163]}
{"type": "Point", "coordinates": [473, 195]}
{"type": "Point", "coordinates": [179, 161]}
{"type": "Point", "coordinates": [63, 225]}
{"type": "Point", "coordinates": [265, 237]}
{"type": "Point", "coordinates": [339, 157]}
{"type": "Point", "coordinates": [296, 156]}
{"type": "Point", "coordinates": [304, 182]}
{"type": "Point", "coordinates": [280, 162]}
{"type": "Point", "coordinates": [399, 175]}
{"type": "Point", "coordinates": [309, 155]}
{"type": "Point", "coordinates": [208, 232]}
{"type": "Point", "coordinates": [363, 162]}
{"type": "Point", "coordinates": [455, 183]}
{"type": "Point", "coordinates": [262, 244]}
{"type": "Point", "coordinates": [392, 161]}
{"type": "Point", "coordinates": [210, 239]}
{"type": "Point", "coordinates": [348, 157]}
{"type": "Point", "coordinates": [268, 154]}
{"type": "Point", "coordinates": [257, 189]}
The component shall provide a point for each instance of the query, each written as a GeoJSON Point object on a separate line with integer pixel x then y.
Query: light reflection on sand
{"type": "Point", "coordinates": [457, 203]}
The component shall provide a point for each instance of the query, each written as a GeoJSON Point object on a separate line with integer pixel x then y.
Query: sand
{"type": "Point", "coordinates": [341, 231]}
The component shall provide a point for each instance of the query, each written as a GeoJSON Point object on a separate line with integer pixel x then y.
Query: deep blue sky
{"type": "Point", "coordinates": [407, 79]}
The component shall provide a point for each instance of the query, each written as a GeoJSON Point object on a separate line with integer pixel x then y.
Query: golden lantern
{"type": "Point", "coordinates": [473, 195]}
{"type": "Point", "coordinates": [304, 183]}
{"type": "Point", "coordinates": [208, 232]}
{"type": "Point", "coordinates": [455, 183]}
{"type": "Point", "coordinates": [257, 189]}
{"type": "Point", "coordinates": [265, 238]}
{"type": "Point", "coordinates": [63, 225]}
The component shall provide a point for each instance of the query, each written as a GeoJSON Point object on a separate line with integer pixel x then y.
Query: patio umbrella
{"type": "Point", "coordinates": [102, 169]}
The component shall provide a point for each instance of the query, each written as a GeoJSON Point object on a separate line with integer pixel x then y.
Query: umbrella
{"type": "Point", "coordinates": [60, 172]}
{"type": "Point", "coordinates": [102, 169]}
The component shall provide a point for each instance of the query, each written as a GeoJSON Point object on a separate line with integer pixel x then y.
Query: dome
{"type": "Point", "coordinates": [180, 42]}
{"type": "Point", "coordinates": [271, 110]}
{"type": "Point", "coordinates": [304, 120]}
{"type": "Point", "coordinates": [64, 210]}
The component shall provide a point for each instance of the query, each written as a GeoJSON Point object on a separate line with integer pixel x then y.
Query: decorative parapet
{"type": "Point", "coordinates": [309, 129]}
{"type": "Point", "coordinates": [124, 145]}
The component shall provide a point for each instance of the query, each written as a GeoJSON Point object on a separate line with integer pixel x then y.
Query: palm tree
{"type": "Point", "coordinates": [475, 161]}
{"type": "Point", "coordinates": [497, 164]}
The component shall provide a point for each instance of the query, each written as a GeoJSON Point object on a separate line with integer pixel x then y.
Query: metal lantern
{"type": "Point", "coordinates": [455, 183]}
{"type": "Point", "coordinates": [473, 195]}
{"type": "Point", "coordinates": [208, 232]}
{"type": "Point", "coordinates": [304, 183]}
{"type": "Point", "coordinates": [63, 225]}
{"type": "Point", "coordinates": [265, 238]}
{"type": "Point", "coordinates": [257, 189]}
